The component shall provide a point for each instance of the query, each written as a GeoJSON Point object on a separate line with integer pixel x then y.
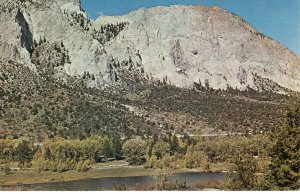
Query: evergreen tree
{"type": "Point", "coordinates": [242, 175]}
{"type": "Point", "coordinates": [283, 171]}
{"type": "Point", "coordinates": [161, 149]}
{"type": "Point", "coordinates": [35, 44]}
{"type": "Point", "coordinates": [41, 41]}
{"type": "Point", "coordinates": [107, 151]}
{"type": "Point", "coordinates": [174, 144]}
{"type": "Point", "coordinates": [117, 146]}
{"type": "Point", "coordinates": [155, 138]}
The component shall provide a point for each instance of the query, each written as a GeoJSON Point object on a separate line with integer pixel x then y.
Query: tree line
{"type": "Point", "coordinates": [282, 169]}
{"type": "Point", "coordinates": [259, 162]}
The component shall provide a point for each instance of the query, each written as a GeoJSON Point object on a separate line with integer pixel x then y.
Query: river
{"type": "Point", "coordinates": [94, 184]}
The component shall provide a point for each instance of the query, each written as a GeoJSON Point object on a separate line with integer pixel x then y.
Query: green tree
{"type": "Point", "coordinates": [117, 146]}
{"type": "Point", "coordinates": [242, 175]}
{"type": "Point", "coordinates": [60, 155]}
{"type": "Point", "coordinates": [151, 144]}
{"type": "Point", "coordinates": [161, 149]}
{"type": "Point", "coordinates": [23, 152]}
{"type": "Point", "coordinates": [135, 151]}
{"type": "Point", "coordinates": [283, 171]}
{"type": "Point", "coordinates": [107, 151]}
{"type": "Point", "coordinates": [174, 144]}
{"type": "Point", "coordinates": [195, 159]}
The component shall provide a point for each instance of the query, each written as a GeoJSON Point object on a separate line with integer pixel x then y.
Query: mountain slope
{"type": "Point", "coordinates": [62, 74]}
{"type": "Point", "coordinates": [187, 44]}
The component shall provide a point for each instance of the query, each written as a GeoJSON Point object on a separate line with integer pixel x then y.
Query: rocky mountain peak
{"type": "Point", "coordinates": [181, 45]}
{"type": "Point", "coordinates": [203, 44]}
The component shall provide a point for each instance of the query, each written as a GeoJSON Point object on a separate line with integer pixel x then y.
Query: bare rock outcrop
{"type": "Point", "coordinates": [192, 44]}
{"type": "Point", "coordinates": [185, 45]}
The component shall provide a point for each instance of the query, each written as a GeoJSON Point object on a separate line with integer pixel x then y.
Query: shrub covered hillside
{"type": "Point", "coordinates": [40, 107]}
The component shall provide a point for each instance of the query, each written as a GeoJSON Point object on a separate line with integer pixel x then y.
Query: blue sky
{"type": "Point", "coordinates": [279, 19]}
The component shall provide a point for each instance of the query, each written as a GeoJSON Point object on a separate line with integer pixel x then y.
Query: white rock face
{"type": "Point", "coordinates": [57, 21]}
{"type": "Point", "coordinates": [189, 44]}
{"type": "Point", "coordinates": [181, 44]}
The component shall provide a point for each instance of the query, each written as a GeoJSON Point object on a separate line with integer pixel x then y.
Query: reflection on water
{"type": "Point", "coordinates": [108, 183]}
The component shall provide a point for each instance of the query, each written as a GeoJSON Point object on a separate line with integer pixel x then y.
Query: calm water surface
{"type": "Point", "coordinates": [108, 183]}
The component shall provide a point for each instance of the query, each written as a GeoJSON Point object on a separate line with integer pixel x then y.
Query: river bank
{"type": "Point", "coordinates": [185, 180]}
{"type": "Point", "coordinates": [31, 177]}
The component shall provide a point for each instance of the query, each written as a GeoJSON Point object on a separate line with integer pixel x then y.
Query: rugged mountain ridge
{"type": "Point", "coordinates": [185, 46]}
{"type": "Point", "coordinates": [56, 22]}
{"type": "Point", "coordinates": [192, 44]}
{"type": "Point", "coordinates": [54, 60]}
